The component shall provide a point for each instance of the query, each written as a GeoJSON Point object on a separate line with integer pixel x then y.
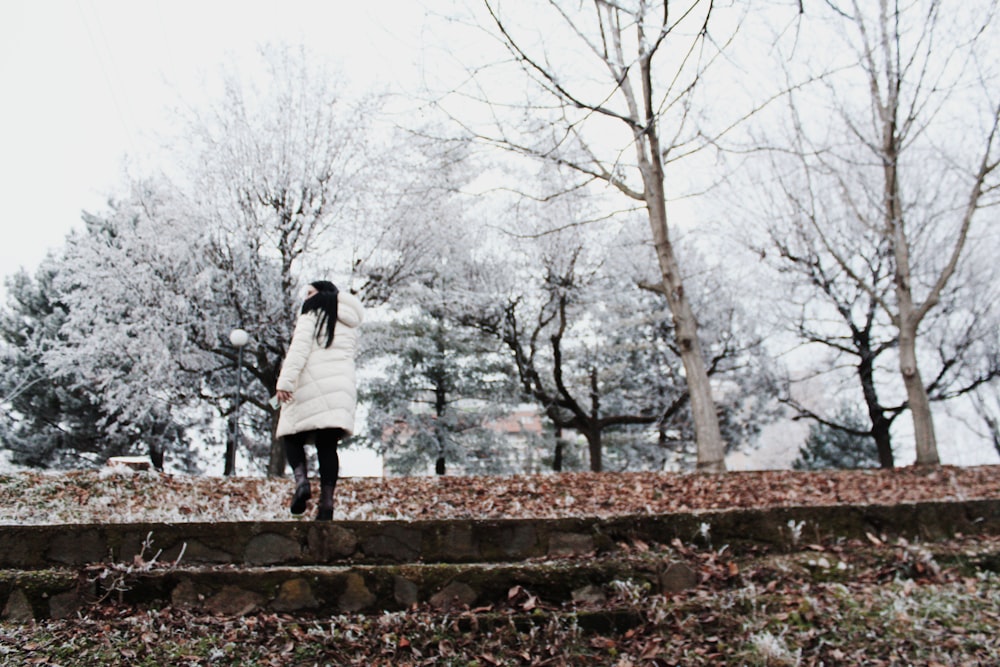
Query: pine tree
{"type": "Point", "coordinates": [439, 399]}
{"type": "Point", "coordinates": [837, 447]}
{"type": "Point", "coordinates": [61, 421]}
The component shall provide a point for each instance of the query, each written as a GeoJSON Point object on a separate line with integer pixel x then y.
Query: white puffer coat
{"type": "Point", "coordinates": [321, 379]}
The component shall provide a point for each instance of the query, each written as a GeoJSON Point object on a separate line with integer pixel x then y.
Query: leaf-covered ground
{"type": "Point", "coordinates": [853, 603]}
{"type": "Point", "coordinates": [842, 603]}
{"type": "Point", "coordinates": [121, 495]}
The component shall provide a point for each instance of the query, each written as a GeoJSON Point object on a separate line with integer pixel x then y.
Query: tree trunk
{"type": "Point", "coordinates": [708, 435]}
{"type": "Point", "coordinates": [883, 441]}
{"type": "Point", "coordinates": [557, 459]}
{"type": "Point", "coordinates": [594, 445]}
{"type": "Point", "coordinates": [880, 425]}
{"type": "Point", "coordinates": [268, 369]}
{"type": "Point", "coordinates": [276, 460]}
{"type": "Point", "coordinates": [994, 427]}
{"type": "Point", "coordinates": [440, 405]}
{"type": "Point", "coordinates": [916, 395]}
{"type": "Point", "coordinates": [907, 319]}
{"type": "Point", "coordinates": [156, 456]}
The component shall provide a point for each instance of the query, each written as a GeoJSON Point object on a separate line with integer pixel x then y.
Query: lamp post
{"type": "Point", "coordinates": [238, 338]}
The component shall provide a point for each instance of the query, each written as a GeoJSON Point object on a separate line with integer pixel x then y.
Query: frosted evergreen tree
{"type": "Point", "coordinates": [846, 445]}
{"type": "Point", "coordinates": [60, 419]}
{"type": "Point", "coordinates": [440, 400]}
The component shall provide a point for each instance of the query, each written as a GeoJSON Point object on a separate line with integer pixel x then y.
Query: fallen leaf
{"type": "Point", "coordinates": [651, 650]}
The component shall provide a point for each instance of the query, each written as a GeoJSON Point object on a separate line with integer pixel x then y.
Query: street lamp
{"type": "Point", "coordinates": [238, 338]}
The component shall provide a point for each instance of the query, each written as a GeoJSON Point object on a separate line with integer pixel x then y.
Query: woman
{"type": "Point", "coordinates": [317, 391]}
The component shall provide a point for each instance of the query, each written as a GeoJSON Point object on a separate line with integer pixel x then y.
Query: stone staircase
{"type": "Point", "coordinates": [307, 568]}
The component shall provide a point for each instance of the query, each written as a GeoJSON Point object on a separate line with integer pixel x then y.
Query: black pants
{"type": "Point", "coordinates": [326, 440]}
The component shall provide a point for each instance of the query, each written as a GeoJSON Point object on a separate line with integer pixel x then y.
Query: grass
{"type": "Point", "coordinates": [889, 612]}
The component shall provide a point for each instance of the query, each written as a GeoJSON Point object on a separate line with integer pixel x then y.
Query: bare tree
{"type": "Point", "coordinates": [598, 354]}
{"type": "Point", "coordinates": [629, 87]}
{"type": "Point", "coordinates": [908, 164]}
{"type": "Point", "coordinates": [857, 328]}
{"type": "Point", "coordinates": [576, 391]}
{"type": "Point", "coordinates": [987, 402]}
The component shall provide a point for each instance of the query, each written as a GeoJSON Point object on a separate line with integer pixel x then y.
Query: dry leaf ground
{"type": "Point", "coordinates": [843, 603]}
{"type": "Point", "coordinates": [121, 495]}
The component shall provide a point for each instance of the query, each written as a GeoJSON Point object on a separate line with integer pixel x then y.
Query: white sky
{"type": "Point", "coordinates": [86, 85]}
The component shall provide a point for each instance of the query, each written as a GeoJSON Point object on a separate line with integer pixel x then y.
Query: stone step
{"type": "Point", "coordinates": [304, 543]}
{"type": "Point", "coordinates": [327, 590]}
{"type": "Point", "coordinates": [306, 567]}
{"type": "Point", "coordinates": [561, 584]}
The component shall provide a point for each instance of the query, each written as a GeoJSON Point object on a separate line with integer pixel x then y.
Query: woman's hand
{"type": "Point", "coordinates": [283, 396]}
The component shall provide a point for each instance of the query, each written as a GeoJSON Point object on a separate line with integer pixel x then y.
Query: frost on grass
{"type": "Point", "coordinates": [774, 650]}
{"type": "Point", "coordinates": [120, 495]}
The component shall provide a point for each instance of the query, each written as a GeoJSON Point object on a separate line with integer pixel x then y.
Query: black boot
{"type": "Point", "coordinates": [325, 510]}
{"type": "Point", "coordinates": [303, 492]}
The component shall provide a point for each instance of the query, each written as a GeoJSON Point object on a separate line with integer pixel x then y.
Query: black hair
{"type": "Point", "coordinates": [324, 301]}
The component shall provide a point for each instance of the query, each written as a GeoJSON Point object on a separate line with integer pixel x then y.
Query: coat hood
{"type": "Point", "coordinates": [350, 312]}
